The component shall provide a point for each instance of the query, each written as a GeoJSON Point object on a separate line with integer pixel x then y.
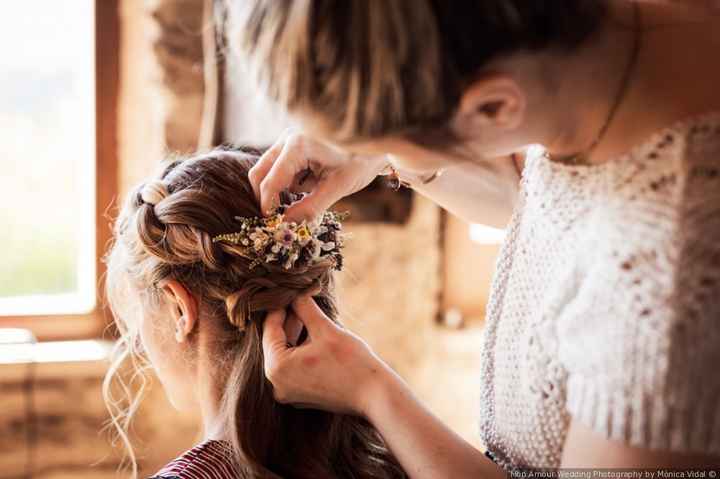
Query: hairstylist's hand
{"type": "Point", "coordinates": [299, 163]}
{"type": "Point", "coordinates": [333, 370]}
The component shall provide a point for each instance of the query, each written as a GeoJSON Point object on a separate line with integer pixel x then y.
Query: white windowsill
{"type": "Point", "coordinates": [54, 359]}
{"type": "Point", "coordinates": [48, 304]}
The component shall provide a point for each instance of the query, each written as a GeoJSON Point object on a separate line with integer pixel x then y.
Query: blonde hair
{"type": "Point", "coordinates": [368, 68]}
{"type": "Point", "coordinates": [196, 199]}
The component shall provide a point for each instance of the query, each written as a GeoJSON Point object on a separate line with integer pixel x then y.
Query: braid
{"type": "Point", "coordinates": [177, 229]}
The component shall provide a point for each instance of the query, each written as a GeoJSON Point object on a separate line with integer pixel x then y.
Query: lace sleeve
{"type": "Point", "coordinates": [641, 340]}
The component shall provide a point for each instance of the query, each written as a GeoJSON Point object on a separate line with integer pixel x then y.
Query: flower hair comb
{"type": "Point", "coordinates": [273, 240]}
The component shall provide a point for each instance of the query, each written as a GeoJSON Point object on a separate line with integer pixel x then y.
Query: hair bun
{"type": "Point", "coordinates": [153, 192]}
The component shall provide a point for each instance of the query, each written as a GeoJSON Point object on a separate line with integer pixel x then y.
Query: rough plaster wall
{"type": "Point", "coordinates": [179, 52]}
{"type": "Point", "coordinates": [161, 86]}
{"type": "Point", "coordinates": [389, 292]}
{"type": "Point", "coordinates": [389, 288]}
{"type": "Point", "coordinates": [468, 271]}
{"type": "Point", "coordinates": [142, 107]}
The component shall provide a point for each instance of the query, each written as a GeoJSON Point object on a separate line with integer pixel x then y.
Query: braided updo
{"type": "Point", "coordinates": [171, 223]}
{"type": "Point", "coordinates": [165, 230]}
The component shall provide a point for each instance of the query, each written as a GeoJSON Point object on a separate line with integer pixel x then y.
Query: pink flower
{"type": "Point", "coordinates": [285, 236]}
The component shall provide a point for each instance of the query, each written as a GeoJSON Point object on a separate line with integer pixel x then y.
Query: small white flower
{"type": "Point", "coordinates": [314, 224]}
{"type": "Point", "coordinates": [315, 249]}
{"type": "Point", "coordinates": [259, 238]}
{"type": "Point", "coordinates": [329, 246]}
{"type": "Point", "coordinates": [290, 262]}
{"type": "Point", "coordinates": [285, 236]}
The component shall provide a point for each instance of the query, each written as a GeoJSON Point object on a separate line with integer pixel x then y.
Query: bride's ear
{"type": "Point", "coordinates": [182, 306]}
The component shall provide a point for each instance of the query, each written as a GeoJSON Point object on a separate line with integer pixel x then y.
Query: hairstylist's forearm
{"type": "Point", "coordinates": [425, 447]}
{"type": "Point", "coordinates": [476, 192]}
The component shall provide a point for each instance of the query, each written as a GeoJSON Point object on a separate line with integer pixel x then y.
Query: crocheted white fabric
{"type": "Point", "coordinates": [606, 303]}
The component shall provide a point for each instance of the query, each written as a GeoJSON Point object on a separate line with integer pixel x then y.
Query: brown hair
{"type": "Point", "coordinates": [173, 239]}
{"type": "Point", "coordinates": [367, 68]}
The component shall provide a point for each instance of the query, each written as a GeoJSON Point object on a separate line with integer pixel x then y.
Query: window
{"type": "Point", "coordinates": [53, 144]}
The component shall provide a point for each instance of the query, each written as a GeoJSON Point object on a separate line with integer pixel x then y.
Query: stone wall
{"type": "Point", "coordinates": [161, 85]}
{"type": "Point", "coordinates": [67, 419]}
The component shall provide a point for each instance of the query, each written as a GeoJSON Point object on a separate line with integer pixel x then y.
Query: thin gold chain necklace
{"type": "Point", "coordinates": [582, 157]}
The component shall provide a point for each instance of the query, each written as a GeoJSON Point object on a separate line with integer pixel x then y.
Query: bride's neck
{"type": "Point", "coordinates": [209, 392]}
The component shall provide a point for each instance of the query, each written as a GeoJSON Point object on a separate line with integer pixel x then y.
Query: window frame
{"type": "Point", "coordinates": [107, 73]}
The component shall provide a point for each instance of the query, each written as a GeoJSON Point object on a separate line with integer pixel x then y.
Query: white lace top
{"type": "Point", "coordinates": [606, 303]}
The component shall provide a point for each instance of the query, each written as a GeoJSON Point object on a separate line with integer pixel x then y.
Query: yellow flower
{"type": "Point", "coordinates": [274, 221]}
{"type": "Point", "coordinates": [303, 234]}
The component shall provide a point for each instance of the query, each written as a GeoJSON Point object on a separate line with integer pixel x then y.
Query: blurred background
{"type": "Point", "coordinates": [93, 93]}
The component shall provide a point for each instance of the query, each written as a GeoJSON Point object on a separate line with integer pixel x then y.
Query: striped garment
{"type": "Point", "coordinates": [209, 460]}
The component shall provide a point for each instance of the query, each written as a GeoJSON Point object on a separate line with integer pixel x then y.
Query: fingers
{"type": "Point", "coordinates": [274, 338]}
{"type": "Point", "coordinates": [281, 166]}
{"type": "Point", "coordinates": [289, 162]}
{"type": "Point", "coordinates": [293, 328]}
{"type": "Point", "coordinates": [314, 203]}
{"type": "Point", "coordinates": [260, 170]}
{"type": "Point", "coordinates": [311, 315]}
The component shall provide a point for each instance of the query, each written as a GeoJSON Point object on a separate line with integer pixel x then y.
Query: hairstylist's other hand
{"type": "Point", "coordinates": [333, 370]}
{"type": "Point", "coordinates": [300, 163]}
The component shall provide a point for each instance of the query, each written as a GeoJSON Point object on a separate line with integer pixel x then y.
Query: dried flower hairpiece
{"type": "Point", "coordinates": [272, 240]}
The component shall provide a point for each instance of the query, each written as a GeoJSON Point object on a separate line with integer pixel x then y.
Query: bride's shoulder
{"type": "Point", "coordinates": [209, 460]}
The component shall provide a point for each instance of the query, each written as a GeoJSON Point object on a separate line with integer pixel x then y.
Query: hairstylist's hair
{"type": "Point", "coordinates": [367, 68]}
{"type": "Point", "coordinates": [173, 239]}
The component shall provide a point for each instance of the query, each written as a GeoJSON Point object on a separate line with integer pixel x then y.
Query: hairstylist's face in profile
{"type": "Point", "coordinates": [490, 122]}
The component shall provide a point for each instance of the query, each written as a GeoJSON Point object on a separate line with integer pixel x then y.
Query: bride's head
{"type": "Point", "coordinates": [192, 304]}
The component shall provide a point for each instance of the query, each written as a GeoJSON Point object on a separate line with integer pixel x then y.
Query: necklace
{"type": "Point", "coordinates": [582, 157]}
